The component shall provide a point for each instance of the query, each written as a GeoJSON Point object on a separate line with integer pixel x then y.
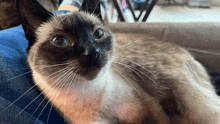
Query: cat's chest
{"type": "Point", "coordinates": [77, 107]}
{"type": "Point", "coordinates": [79, 103]}
{"type": "Point", "coordinates": [116, 99]}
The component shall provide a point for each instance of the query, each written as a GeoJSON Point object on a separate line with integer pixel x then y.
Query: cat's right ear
{"type": "Point", "coordinates": [31, 14]}
{"type": "Point", "coordinates": [93, 7]}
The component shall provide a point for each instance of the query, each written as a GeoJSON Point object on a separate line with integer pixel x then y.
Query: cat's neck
{"type": "Point", "coordinates": [76, 84]}
{"type": "Point", "coordinates": [108, 93]}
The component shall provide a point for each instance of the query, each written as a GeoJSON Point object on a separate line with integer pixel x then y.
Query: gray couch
{"type": "Point", "coordinates": [201, 39]}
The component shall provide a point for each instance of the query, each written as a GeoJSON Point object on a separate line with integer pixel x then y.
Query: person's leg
{"type": "Point", "coordinates": [70, 5]}
{"type": "Point", "coordinates": [74, 5]}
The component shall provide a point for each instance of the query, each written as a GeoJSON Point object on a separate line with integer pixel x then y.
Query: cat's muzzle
{"type": "Point", "coordinates": [96, 60]}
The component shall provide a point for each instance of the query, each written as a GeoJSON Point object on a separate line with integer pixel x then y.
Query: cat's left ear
{"type": "Point", "coordinates": [31, 14]}
{"type": "Point", "coordinates": [93, 7]}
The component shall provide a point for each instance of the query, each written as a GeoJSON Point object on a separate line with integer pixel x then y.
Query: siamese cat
{"type": "Point", "coordinates": [80, 69]}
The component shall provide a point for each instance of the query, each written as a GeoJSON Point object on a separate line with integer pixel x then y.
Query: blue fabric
{"type": "Point", "coordinates": [77, 3]}
{"type": "Point", "coordinates": [15, 80]}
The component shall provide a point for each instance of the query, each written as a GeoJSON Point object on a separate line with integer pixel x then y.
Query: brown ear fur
{"type": "Point", "coordinates": [93, 7]}
{"type": "Point", "coordinates": [31, 14]}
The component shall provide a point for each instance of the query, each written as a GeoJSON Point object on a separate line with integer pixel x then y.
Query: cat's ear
{"type": "Point", "coordinates": [31, 14]}
{"type": "Point", "coordinates": [93, 7]}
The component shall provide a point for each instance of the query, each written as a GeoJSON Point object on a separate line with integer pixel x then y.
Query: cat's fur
{"type": "Point", "coordinates": [93, 82]}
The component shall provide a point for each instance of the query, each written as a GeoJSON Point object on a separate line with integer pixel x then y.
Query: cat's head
{"type": "Point", "coordinates": [78, 38]}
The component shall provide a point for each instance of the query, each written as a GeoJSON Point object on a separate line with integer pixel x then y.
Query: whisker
{"type": "Point", "coordinates": [30, 103]}
{"type": "Point", "coordinates": [58, 93]}
{"type": "Point", "coordinates": [70, 83]}
{"type": "Point", "coordinates": [124, 70]}
{"type": "Point", "coordinates": [59, 87]}
{"type": "Point", "coordinates": [37, 68]}
{"type": "Point", "coordinates": [27, 92]}
{"type": "Point", "coordinates": [87, 7]}
{"type": "Point", "coordinates": [147, 55]}
{"type": "Point", "coordinates": [55, 17]}
{"type": "Point", "coordinates": [98, 15]}
{"type": "Point", "coordinates": [32, 90]}
{"type": "Point", "coordinates": [60, 71]}
{"type": "Point", "coordinates": [127, 81]}
{"type": "Point", "coordinates": [144, 74]}
{"type": "Point", "coordinates": [148, 77]}
{"type": "Point", "coordinates": [129, 68]}
{"type": "Point", "coordinates": [62, 19]}
{"type": "Point", "coordinates": [76, 77]}
{"type": "Point", "coordinates": [46, 66]}
{"type": "Point", "coordinates": [18, 98]}
{"type": "Point", "coordinates": [202, 51]}
{"type": "Point", "coordinates": [19, 75]}
{"type": "Point", "coordinates": [140, 39]}
{"type": "Point", "coordinates": [48, 13]}
{"type": "Point", "coordinates": [119, 58]}
{"type": "Point", "coordinates": [96, 7]}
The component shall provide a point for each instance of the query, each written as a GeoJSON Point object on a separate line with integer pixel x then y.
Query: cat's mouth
{"type": "Point", "coordinates": [90, 67]}
{"type": "Point", "coordinates": [89, 72]}
{"type": "Point", "coordinates": [90, 62]}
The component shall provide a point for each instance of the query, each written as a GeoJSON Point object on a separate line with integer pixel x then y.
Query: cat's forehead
{"type": "Point", "coordinates": [74, 19]}
{"type": "Point", "coordinates": [68, 22]}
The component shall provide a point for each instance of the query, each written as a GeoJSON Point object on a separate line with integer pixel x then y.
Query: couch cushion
{"type": "Point", "coordinates": [201, 39]}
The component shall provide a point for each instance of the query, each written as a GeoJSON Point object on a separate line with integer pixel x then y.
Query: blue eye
{"type": "Point", "coordinates": [60, 41]}
{"type": "Point", "coordinates": [98, 33]}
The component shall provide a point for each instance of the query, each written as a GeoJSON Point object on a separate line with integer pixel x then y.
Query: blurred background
{"type": "Point", "coordinates": [134, 11]}
{"type": "Point", "coordinates": [168, 10]}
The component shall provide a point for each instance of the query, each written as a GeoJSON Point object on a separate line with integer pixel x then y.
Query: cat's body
{"type": "Point", "coordinates": [174, 77]}
{"type": "Point", "coordinates": [76, 65]}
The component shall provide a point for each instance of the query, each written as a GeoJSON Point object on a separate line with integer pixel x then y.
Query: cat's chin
{"type": "Point", "coordinates": [90, 73]}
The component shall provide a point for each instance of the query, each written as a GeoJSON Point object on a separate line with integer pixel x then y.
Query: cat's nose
{"type": "Point", "coordinates": [93, 52]}
{"type": "Point", "coordinates": [92, 55]}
